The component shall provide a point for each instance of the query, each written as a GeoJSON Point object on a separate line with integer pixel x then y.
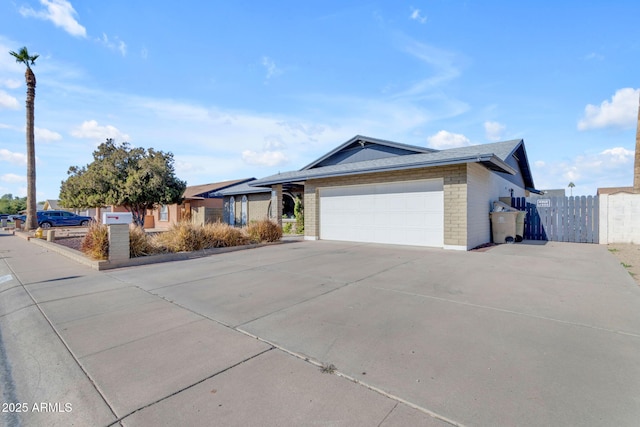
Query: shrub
{"type": "Point", "coordinates": [186, 236]}
{"type": "Point", "coordinates": [287, 228]}
{"type": "Point", "coordinates": [183, 236]}
{"type": "Point", "coordinates": [219, 235]}
{"type": "Point", "coordinates": [96, 242]}
{"type": "Point", "coordinates": [140, 243]}
{"type": "Point", "coordinates": [298, 211]}
{"type": "Point", "coordinates": [264, 231]}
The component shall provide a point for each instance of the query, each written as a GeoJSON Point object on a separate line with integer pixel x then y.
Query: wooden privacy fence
{"type": "Point", "coordinates": [560, 219]}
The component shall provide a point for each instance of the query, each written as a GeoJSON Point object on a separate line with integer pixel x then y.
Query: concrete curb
{"type": "Point", "coordinates": [132, 262]}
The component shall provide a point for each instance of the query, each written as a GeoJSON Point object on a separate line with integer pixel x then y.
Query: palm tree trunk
{"type": "Point", "coordinates": [636, 167]}
{"type": "Point", "coordinates": [32, 219]}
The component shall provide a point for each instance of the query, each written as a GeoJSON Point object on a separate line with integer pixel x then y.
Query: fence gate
{"type": "Point", "coordinates": [560, 219]}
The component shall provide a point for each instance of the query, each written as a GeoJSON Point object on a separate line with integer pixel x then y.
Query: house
{"type": "Point", "coordinates": [372, 190]}
{"type": "Point", "coordinates": [51, 205]}
{"type": "Point", "coordinates": [244, 203]}
{"type": "Point", "coordinates": [200, 203]}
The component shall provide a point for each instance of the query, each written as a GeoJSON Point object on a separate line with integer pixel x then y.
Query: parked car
{"type": "Point", "coordinates": [4, 216]}
{"type": "Point", "coordinates": [48, 219]}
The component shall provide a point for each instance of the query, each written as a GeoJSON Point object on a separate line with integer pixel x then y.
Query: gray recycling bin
{"type": "Point", "coordinates": [503, 226]}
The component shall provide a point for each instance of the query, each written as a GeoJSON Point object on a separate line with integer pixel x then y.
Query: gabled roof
{"type": "Point", "coordinates": [201, 191]}
{"type": "Point", "coordinates": [51, 204]}
{"type": "Point", "coordinates": [384, 149]}
{"type": "Point", "coordinates": [242, 188]}
{"type": "Point", "coordinates": [492, 156]}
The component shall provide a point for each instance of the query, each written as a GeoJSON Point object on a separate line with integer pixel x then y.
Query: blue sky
{"type": "Point", "coordinates": [241, 89]}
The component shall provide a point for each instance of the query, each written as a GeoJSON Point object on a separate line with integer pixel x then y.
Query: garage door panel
{"type": "Point", "coordinates": [409, 213]}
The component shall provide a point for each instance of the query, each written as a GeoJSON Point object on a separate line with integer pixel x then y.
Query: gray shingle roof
{"type": "Point", "coordinates": [243, 188]}
{"type": "Point", "coordinates": [368, 139]}
{"type": "Point", "coordinates": [492, 156]}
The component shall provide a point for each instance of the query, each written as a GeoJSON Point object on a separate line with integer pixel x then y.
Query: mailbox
{"type": "Point", "coordinates": [117, 218]}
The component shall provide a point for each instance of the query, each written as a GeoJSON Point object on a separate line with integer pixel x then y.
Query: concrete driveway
{"type": "Point", "coordinates": [517, 335]}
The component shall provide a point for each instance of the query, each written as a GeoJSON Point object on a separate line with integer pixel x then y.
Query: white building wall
{"type": "Point", "coordinates": [483, 188]}
{"type": "Point", "coordinates": [619, 218]}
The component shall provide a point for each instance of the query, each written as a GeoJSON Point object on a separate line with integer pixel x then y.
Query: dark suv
{"type": "Point", "coordinates": [48, 219]}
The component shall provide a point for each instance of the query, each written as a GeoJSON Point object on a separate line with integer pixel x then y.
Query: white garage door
{"type": "Point", "coordinates": [405, 213]}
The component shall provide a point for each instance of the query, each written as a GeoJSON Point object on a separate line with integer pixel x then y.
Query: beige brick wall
{"type": "Point", "coordinates": [455, 197]}
{"type": "Point", "coordinates": [258, 206]}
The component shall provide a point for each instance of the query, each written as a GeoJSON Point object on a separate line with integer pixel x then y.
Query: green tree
{"type": "Point", "coordinates": [22, 56]}
{"type": "Point", "coordinates": [12, 205]}
{"type": "Point", "coordinates": [298, 212]}
{"type": "Point", "coordinates": [120, 175]}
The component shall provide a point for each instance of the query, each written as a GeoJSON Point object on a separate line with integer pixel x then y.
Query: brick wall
{"type": "Point", "coordinates": [258, 206]}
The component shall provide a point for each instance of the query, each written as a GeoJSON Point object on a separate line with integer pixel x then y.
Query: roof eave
{"type": "Point", "coordinates": [490, 161]}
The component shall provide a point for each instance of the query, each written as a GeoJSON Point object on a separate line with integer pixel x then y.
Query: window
{"type": "Point", "coordinates": [164, 213]}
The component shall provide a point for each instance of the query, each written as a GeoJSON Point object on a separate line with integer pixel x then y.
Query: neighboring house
{"type": "Point", "coordinates": [244, 203]}
{"type": "Point", "coordinates": [201, 204]}
{"type": "Point", "coordinates": [52, 205]}
{"type": "Point", "coordinates": [615, 190]}
{"type": "Point", "coordinates": [372, 190]}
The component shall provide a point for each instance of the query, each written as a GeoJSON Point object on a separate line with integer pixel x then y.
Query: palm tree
{"type": "Point", "coordinates": [23, 57]}
{"type": "Point", "coordinates": [571, 185]}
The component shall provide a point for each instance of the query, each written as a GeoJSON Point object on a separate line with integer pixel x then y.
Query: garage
{"type": "Point", "coordinates": [406, 213]}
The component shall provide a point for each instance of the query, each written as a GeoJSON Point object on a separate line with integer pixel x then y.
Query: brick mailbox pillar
{"type": "Point", "coordinates": [118, 242]}
{"type": "Point", "coordinates": [118, 224]}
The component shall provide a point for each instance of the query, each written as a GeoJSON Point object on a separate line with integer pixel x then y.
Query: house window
{"type": "Point", "coordinates": [164, 213]}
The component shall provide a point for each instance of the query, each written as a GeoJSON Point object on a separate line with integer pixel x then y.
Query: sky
{"type": "Point", "coordinates": [248, 89]}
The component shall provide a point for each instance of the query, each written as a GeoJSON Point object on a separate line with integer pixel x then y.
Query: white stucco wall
{"type": "Point", "coordinates": [483, 188]}
{"type": "Point", "coordinates": [619, 218]}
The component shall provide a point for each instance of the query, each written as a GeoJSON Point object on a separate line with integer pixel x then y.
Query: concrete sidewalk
{"type": "Point", "coordinates": [518, 335]}
{"type": "Point", "coordinates": [81, 347]}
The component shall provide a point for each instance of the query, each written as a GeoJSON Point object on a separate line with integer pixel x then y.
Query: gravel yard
{"type": "Point", "coordinates": [629, 256]}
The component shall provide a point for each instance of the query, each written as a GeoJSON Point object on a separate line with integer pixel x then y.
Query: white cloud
{"type": "Point", "coordinates": [264, 158]}
{"type": "Point", "coordinates": [11, 83]}
{"type": "Point", "coordinates": [443, 140]}
{"type": "Point", "coordinates": [12, 178]}
{"type": "Point", "coordinates": [620, 112]}
{"type": "Point", "coordinates": [90, 129]}
{"type": "Point", "coordinates": [493, 130]}
{"type": "Point", "coordinates": [11, 157]}
{"type": "Point", "coordinates": [442, 63]}
{"type": "Point", "coordinates": [618, 155]}
{"type": "Point", "coordinates": [416, 15]}
{"type": "Point", "coordinates": [115, 44]}
{"type": "Point", "coordinates": [60, 12]}
{"type": "Point", "coordinates": [588, 172]}
{"type": "Point", "coordinates": [46, 135]}
{"type": "Point", "coordinates": [270, 66]}
{"type": "Point", "coordinates": [8, 101]}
